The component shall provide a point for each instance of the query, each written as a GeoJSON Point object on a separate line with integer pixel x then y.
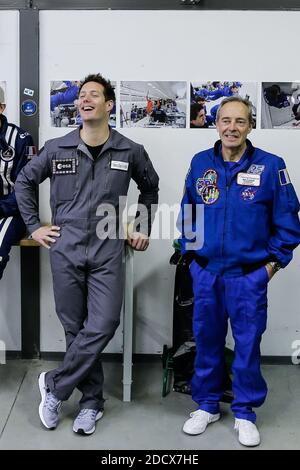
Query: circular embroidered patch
{"type": "Point", "coordinates": [8, 154]}
{"type": "Point", "coordinates": [248, 194]}
{"type": "Point", "coordinates": [200, 183]}
{"type": "Point", "coordinates": [211, 176]}
{"type": "Point", "coordinates": [210, 194]}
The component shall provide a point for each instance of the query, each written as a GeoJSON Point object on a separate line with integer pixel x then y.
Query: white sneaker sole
{"type": "Point", "coordinates": [43, 396]}
{"type": "Point", "coordinates": [91, 431]}
{"type": "Point", "coordinates": [249, 444]}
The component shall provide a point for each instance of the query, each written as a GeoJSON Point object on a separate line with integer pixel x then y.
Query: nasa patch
{"type": "Point", "coordinates": [248, 194]}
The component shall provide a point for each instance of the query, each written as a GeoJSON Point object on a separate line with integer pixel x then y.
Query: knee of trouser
{"type": "Point", "coordinates": [106, 328]}
{"type": "Point", "coordinates": [3, 263]}
{"type": "Point", "coordinates": [111, 326]}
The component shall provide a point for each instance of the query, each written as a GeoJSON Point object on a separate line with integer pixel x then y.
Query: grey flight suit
{"type": "Point", "coordinates": [87, 272]}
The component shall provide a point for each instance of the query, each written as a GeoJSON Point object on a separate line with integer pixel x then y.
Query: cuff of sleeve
{"type": "Point", "coordinates": [33, 228]}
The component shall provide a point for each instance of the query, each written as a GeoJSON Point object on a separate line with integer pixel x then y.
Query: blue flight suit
{"type": "Point", "coordinates": [250, 218]}
{"type": "Point", "coordinates": [16, 146]}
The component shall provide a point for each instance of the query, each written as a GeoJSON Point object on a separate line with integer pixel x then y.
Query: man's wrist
{"type": "Point", "coordinates": [275, 266]}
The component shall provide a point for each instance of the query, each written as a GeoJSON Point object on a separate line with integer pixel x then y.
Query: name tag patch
{"type": "Point", "coordinates": [64, 166]}
{"type": "Point", "coordinates": [116, 165]}
{"type": "Point", "coordinates": [248, 179]}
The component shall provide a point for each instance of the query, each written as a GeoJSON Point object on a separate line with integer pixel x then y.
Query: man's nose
{"type": "Point", "coordinates": [232, 125]}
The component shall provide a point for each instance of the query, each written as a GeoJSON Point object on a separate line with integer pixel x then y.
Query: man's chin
{"type": "Point", "coordinates": [231, 144]}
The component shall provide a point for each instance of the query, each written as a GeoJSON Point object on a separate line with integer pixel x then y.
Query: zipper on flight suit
{"type": "Point", "coordinates": [89, 210]}
{"type": "Point", "coordinates": [224, 225]}
{"type": "Point", "coordinates": [226, 203]}
{"type": "Point", "coordinates": [93, 178]}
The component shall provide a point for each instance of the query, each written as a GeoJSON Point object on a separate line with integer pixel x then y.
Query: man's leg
{"type": "Point", "coordinates": [81, 367]}
{"type": "Point", "coordinates": [105, 295]}
{"type": "Point", "coordinates": [12, 229]}
{"type": "Point", "coordinates": [210, 329]}
{"type": "Point", "coordinates": [70, 299]}
{"type": "Point", "coordinates": [246, 302]}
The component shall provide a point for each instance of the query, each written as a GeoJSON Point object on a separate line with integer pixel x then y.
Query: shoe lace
{"type": "Point", "coordinates": [83, 413]}
{"type": "Point", "coordinates": [51, 402]}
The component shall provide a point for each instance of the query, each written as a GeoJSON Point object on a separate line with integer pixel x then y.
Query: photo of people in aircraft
{"type": "Point", "coordinates": [3, 92]}
{"type": "Point", "coordinates": [153, 104]}
{"type": "Point", "coordinates": [280, 105]}
{"type": "Point", "coordinates": [207, 96]}
{"type": "Point", "coordinates": [63, 109]}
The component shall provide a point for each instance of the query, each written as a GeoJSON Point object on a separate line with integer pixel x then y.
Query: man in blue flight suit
{"type": "Point", "coordinates": [89, 169]}
{"type": "Point", "coordinates": [227, 91]}
{"type": "Point", "coordinates": [16, 146]}
{"type": "Point", "coordinates": [251, 227]}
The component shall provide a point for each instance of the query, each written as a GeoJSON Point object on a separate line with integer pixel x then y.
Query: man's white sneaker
{"type": "Point", "coordinates": [85, 423]}
{"type": "Point", "coordinates": [198, 422]}
{"type": "Point", "coordinates": [49, 406]}
{"type": "Point", "coordinates": [247, 432]}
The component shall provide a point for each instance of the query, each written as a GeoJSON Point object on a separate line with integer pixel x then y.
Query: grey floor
{"type": "Point", "coordinates": [149, 421]}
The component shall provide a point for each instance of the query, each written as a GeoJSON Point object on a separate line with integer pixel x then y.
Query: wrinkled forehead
{"type": "Point", "coordinates": [234, 110]}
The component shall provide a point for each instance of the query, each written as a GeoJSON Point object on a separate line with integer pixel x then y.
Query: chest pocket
{"type": "Point", "coordinates": [64, 177]}
{"type": "Point", "coordinates": [118, 174]}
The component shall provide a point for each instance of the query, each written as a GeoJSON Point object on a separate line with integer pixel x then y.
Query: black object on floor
{"type": "Point", "coordinates": [179, 359]}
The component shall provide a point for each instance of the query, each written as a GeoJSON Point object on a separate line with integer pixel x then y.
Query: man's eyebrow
{"type": "Point", "coordinates": [91, 91]}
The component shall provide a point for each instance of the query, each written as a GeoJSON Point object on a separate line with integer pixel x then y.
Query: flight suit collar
{"type": "Point", "coordinates": [243, 163]}
{"type": "Point", "coordinates": [115, 140]}
{"type": "Point", "coordinates": [3, 125]}
{"type": "Point", "coordinates": [217, 149]}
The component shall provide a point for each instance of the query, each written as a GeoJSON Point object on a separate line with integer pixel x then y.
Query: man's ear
{"type": "Point", "coordinates": [2, 107]}
{"type": "Point", "coordinates": [109, 105]}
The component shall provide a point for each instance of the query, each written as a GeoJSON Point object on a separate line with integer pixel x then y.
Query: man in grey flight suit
{"type": "Point", "coordinates": [88, 169]}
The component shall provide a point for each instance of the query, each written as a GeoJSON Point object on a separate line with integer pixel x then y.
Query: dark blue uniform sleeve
{"type": "Point", "coordinates": [37, 170]}
{"type": "Point", "coordinates": [285, 231]}
{"type": "Point", "coordinates": [9, 206]}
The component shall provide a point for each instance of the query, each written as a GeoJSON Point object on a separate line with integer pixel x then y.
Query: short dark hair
{"type": "Point", "coordinates": [195, 110]}
{"type": "Point", "coordinates": [109, 92]}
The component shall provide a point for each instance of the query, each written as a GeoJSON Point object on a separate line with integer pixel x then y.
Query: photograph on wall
{"type": "Point", "coordinates": [153, 104]}
{"type": "Point", "coordinates": [2, 92]}
{"type": "Point", "coordinates": [63, 104]}
{"type": "Point", "coordinates": [280, 105]}
{"type": "Point", "coordinates": [207, 96]}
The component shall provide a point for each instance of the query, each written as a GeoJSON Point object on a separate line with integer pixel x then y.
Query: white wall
{"type": "Point", "coordinates": [154, 46]}
{"type": "Point", "coordinates": [10, 308]}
